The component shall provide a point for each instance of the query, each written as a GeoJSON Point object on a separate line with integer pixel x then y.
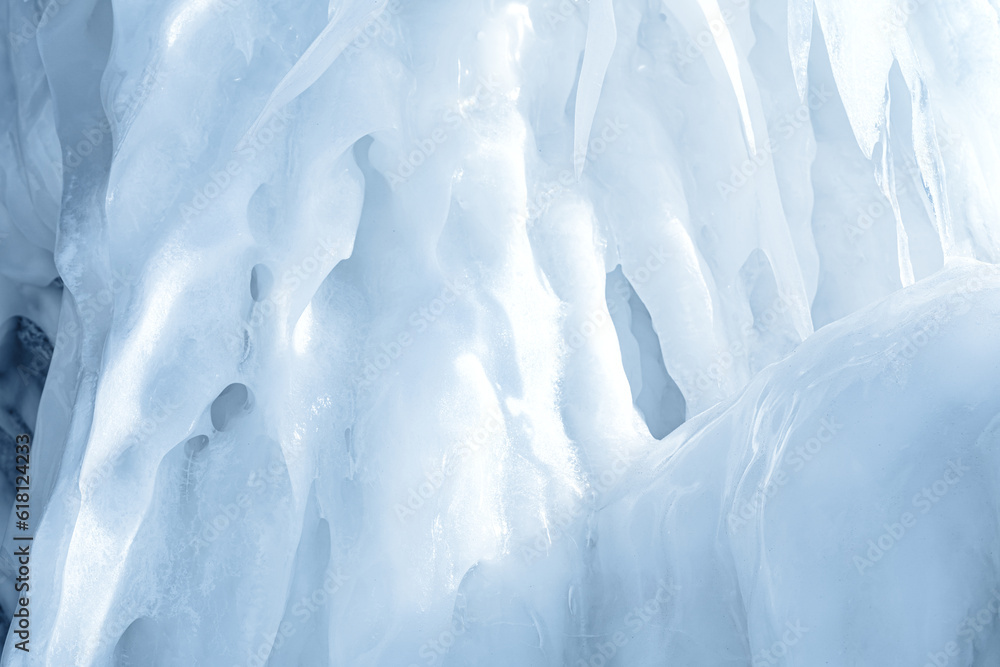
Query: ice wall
{"type": "Point", "coordinates": [448, 332]}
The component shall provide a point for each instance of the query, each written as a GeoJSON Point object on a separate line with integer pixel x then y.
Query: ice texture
{"type": "Point", "coordinates": [468, 332]}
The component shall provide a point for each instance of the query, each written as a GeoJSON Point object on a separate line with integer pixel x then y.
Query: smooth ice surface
{"type": "Point", "coordinates": [480, 332]}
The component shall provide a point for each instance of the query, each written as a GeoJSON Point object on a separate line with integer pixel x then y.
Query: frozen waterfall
{"type": "Point", "coordinates": [419, 333]}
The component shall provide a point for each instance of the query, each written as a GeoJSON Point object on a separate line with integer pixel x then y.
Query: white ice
{"type": "Point", "coordinates": [481, 332]}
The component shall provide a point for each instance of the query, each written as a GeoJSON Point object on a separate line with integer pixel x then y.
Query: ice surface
{"type": "Point", "coordinates": [447, 332]}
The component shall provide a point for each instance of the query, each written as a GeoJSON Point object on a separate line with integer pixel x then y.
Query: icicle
{"type": "Point", "coordinates": [886, 177]}
{"type": "Point", "coordinates": [345, 24]}
{"type": "Point", "coordinates": [800, 26]}
{"type": "Point", "coordinates": [926, 148]}
{"type": "Point", "coordinates": [601, 37]}
{"type": "Point", "coordinates": [727, 50]}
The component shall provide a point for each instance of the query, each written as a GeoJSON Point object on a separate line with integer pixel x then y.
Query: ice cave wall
{"type": "Point", "coordinates": [383, 299]}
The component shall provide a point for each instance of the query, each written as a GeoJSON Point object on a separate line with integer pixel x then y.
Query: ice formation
{"type": "Point", "coordinates": [468, 332]}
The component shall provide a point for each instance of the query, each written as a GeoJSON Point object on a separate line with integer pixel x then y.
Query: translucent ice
{"type": "Point", "coordinates": [460, 332]}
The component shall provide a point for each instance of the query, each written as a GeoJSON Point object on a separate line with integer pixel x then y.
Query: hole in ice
{"type": "Point", "coordinates": [234, 402]}
{"type": "Point", "coordinates": [654, 393]}
{"type": "Point", "coordinates": [26, 348]}
{"type": "Point", "coordinates": [25, 353]}
{"type": "Point", "coordinates": [246, 346]}
{"type": "Point", "coordinates": [260, 282]}
{"type": "Point", "coordinates": [138, 645]}
{"type": "Point", "coordinates": [196, 444]}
